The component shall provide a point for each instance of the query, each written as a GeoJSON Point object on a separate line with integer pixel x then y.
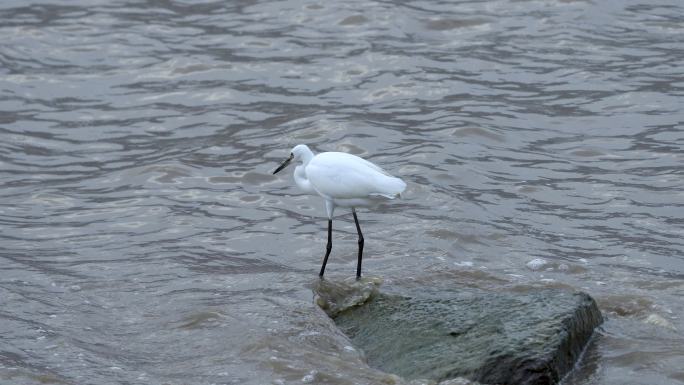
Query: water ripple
{"type": "Point", "coordinates": [142, 230]}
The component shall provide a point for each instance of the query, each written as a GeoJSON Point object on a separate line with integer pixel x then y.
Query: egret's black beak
{"type": "Point", "coordinates": [285, 163]}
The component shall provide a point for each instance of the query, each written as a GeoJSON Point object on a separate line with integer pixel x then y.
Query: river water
{"type": "Point", "coordinates": [143, 239]}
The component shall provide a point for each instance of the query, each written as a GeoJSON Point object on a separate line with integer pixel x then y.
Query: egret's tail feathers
{"type": "Point", "coordinates": [393, 187]}
{"type": "Point", "coordinates": [388, 196]}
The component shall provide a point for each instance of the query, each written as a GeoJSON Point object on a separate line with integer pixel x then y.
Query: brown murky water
{"type": "Point", "coordinates": [143, 239]}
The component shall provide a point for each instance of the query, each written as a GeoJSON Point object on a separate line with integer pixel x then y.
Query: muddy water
{"type": "Point", "coordinates": [143, 239]}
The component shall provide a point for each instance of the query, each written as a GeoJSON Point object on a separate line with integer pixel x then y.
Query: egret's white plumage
{"type": "Point", "coordinates": [344, 180]}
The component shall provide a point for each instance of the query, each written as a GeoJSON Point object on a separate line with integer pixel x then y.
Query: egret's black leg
{"type": "Point", "coordinates": [358, 229]}
{"type": "Point", "coordinates": [328, 247]}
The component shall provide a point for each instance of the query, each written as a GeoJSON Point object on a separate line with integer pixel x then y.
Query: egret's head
{"type": "Point", "coordinates": [298, 152]}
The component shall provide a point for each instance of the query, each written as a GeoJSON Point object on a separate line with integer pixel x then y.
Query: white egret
{"type": "Point", "coordinates": [343, 180]}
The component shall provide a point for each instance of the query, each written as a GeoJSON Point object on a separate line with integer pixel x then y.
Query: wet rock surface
{"type": "Point", "coordinates": [492, 338]}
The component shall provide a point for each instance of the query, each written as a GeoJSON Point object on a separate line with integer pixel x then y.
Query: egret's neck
{"type": "Point", "coordinates": [300, 172]}
{"type": "Point", "coordinates": [306, 156]}
{"type": "Point", "coordinates": [301, 179]}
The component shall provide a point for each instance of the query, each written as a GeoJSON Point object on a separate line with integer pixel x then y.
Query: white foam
{"type": "Point", "coordinates": [537, 264]}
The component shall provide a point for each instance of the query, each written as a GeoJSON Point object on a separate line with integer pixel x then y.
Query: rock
{"type": "Point", "coordinates": [491, 338]}
{"type": "Point", "coordinates": [335, 297]}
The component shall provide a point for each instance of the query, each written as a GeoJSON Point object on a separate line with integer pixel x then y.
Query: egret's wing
{"type": "Point", "coordinates": [370, 165]}
{"type": "Point", "coordinates": [343, 176]}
